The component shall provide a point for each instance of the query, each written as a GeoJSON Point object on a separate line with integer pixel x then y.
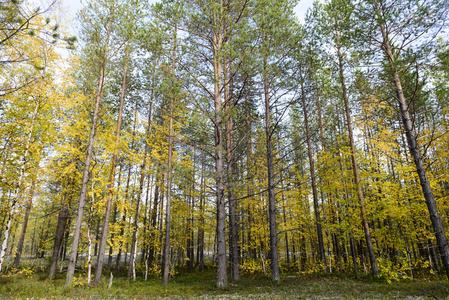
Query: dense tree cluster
{"type": "Point", "coordinates": [192, 134]}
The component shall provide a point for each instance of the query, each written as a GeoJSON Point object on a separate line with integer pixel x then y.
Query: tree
{"type": "Point", "coordinates": [130, 16]}
{"type": "Point", "coordinates": [312, 169]}
{"type": "Point", "coordinates": [273, 51]}
{"type": "Point", "coordinates": [111, 11]}
{"type": "Point", "coordinates": [211, 28]}
{"type": "Point", "coordinates": [173, 96]}
{"type": "Point", "coordinates": [21, 24]}
{"type": "Point", "coordinates": [26, 116]}
{"type": "Point", "coordinates": [336, 26]}
{"type": "Point", "coordinates": [402, 25]}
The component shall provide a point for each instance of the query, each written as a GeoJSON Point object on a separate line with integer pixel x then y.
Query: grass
{"type": "Point", "coordinates": [202, 285]}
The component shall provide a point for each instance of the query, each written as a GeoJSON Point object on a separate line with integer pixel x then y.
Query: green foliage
{"type": "Point", "coordinates": [249, 267]}
{"type": "Point", "coordinates": [258, 38]}
{"type": "Point", "coordinates": [391, 272]}
{"type": "Point", "coordinates": [255, 285]}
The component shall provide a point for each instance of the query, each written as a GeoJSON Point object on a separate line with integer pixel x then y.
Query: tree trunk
{"type": "Point", "coordinates": [335, 239]}
{"type": "Point", "coordinates": [145, 221]}
{"type": "Point", "coordinates": [24, 226]}
{"type": "Point", "coordinates": [5, 240]}
{"type": "Point", "coordinates": [217, 44]}
{"type": "Point", "coordinates": [355, 169]}
{"type": "Point", "coordinates": [122, 230]}
{"type": "Point", "coordinates": [312, 175]}
{"type": "Point", "coordinates": [114, 216]}
{"type": "Point", "coordinates": [107, 214]}
{"type": "Point", "coordinates": [89, 238]}
{"type": "Point", "coordinates": [82, 199]}
{"type": "Point", "coordinates": [166, 260]}
{"type": "Point", "coordinates": [16, 194]}
{"type": "Point", "coordinates": [200, 246]}
{"type": "Point", "coordinates": [151, 242]}
{"type": "Point", "coordinates": [190, 219]}
{"type": "Point", "coordinates": [271, 196]}
{"type": "Point", "coordinates": [284, 215]}
{"type": "Point", "coordinates": [412, 142]}
{"type": "Point", "coordinates": [142, 177]}
{"type": "Point", "coordinates": [233, 234]}
{"type": "Point", "coordinates": [249, 181]}
{"type": "Point", "coordinates": [61, 228]}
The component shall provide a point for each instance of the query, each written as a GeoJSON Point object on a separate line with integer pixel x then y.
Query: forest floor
{"type": "Point", "coordinates": [202, 286]}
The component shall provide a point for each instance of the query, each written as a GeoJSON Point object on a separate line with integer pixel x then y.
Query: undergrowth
{"type": "Point", "coordinates": [193, 284]}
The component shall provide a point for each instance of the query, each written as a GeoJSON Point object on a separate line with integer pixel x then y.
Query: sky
{"type": "Point", "coordinates": [73, 6]}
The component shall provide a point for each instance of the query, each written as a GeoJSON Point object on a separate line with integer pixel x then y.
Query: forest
{"type": "Point", "coordinates": [224, 137]}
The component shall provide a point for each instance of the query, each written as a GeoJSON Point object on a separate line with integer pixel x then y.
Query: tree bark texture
{"type": "Point", "coordinates": [217, 45]}
{"type": "Point", "coordinates": [166, 259]}
{"type": "Point", "coordinates": [275, 276]}
{"type": "Point", "coordinates": [233, 234]}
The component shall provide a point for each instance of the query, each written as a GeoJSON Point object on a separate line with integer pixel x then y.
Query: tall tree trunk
{"type": "Point", "coordinates": [107, 214]}
{"type": "Point", "coordinates": [217, 44]}
{"type": "Point", "coordinates": [312, 174]}
{"type": "Point", "coordinates": [190, 227]}
{"type": "Point", "coordinates": [82, 199]}
{"type": "Point", "coordinates": [141, 181]}
{"type": "Point", "coordinates": [161, 224]}
{"type": "Point", "coordinates": [146, 245]}
{"type": "Point", "coordinates": [335, 240]}
{"type": "Point", "coordinates": [355, 169]}
{"type": "Point", "coordinates": [413, 144]}
{"type": "Point", "coordinates": [128, 179]}
{"type": "Point", "coordinates": [249, 179]}
{"type": "Point", "coordinates": [233, 234]}
{"type": "Point", "coordinates": [166, 260]}
{"type": "Point", "coordinates": [275, 276]}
